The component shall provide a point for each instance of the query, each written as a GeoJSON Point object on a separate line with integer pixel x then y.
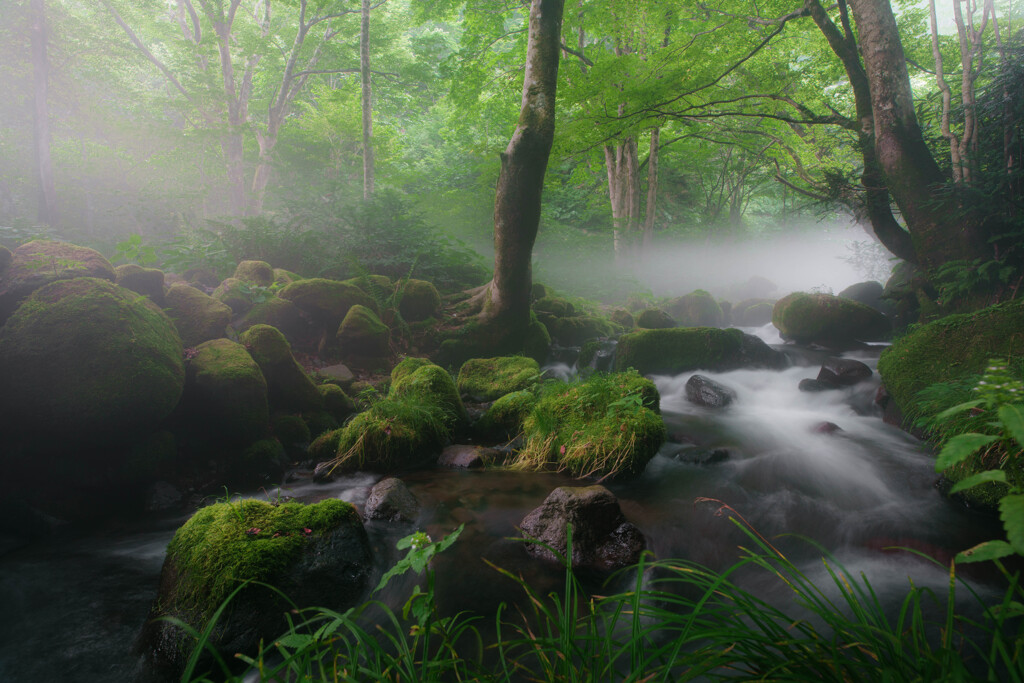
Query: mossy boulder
{"type": "Point", "coordinates": [753, 312]}
{"type": "Point", "coordinates": [696, 309]}
{"type": "Point", "coordinates": [225, 393]}
{"type": "Point", "coordinates": [146, 281]}
{"type": "Point", "coordinates": [951, 349]}
{"type": "Point", "coordinates": [255, 273]}
{"type": "Point", "coordinates": [575, 330]}
{"type": "Point", "coordinates": [373, 284]}
{"type": "Point", "coordinates": [828, 320]}
{"type": "Point", "coordinates": [289, 388]}
{"type": "Point", "coordinates": [326, 301]}
{"type": "Point", "coordinates": [487, 379]}
{"type": "Point", "coordinates": [363, 335]}
{"type": "Point", "coordinates": [408, 427]}
{"type": "Point", "coordinates": [654, 319]}
{"type": "Point", "coordinates": [284, 277]}
{"type": "Point", "coordinates": [554, 306]}
{"type": "Point", "coordinates": [608, 426]}
{"type": "Point", "coordinates": [40, 262]}
{"type": "Point", "coordinates": [622, 318]}
{"type": "Point", "coordinates": [503, 421]}
{"type": "Point", "coordinates": [407, 366]}
{"type": "Point", "coordinates": [683, 349]}
{"type": "Point", "coordinates": [336, 402]}
{"type": "Point", "coordinates": [87, 357]}
{"type": "Point", "coordinates": [475, 340]}
{"type": "Point", "coordinates": [197, 315]}
{"type": "Point", "coordinates": [419, 300]}
{"type": "Point", "coordinates": [279, 313]}
{"type": "Point", "coordinates": [234, 294]}
{"type": "Point", "coordinates": [315, 554]}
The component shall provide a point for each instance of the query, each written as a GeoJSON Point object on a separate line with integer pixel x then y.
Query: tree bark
{"type": "Point", "coordinates": [41, 114]}
{"type": "Point", "coordinates": [623, 166]}
{"type": "Point", "coordinates": [942, 230]}
{"type": "Point", "coordinates": [652, 193]}
{"type": "Point", "coordinates": [517, 199]}
{"type": "Point", "coordinates": [367, 99]}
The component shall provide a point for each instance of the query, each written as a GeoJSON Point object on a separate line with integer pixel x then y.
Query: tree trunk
{"type": "Point", "coordinates": [941, 229]}
{"type": "Point", "coordinates": [623, 165]}
{"type": "Point", "coordinates": [364, 72]}
{"type": "Point", "coordinates": [652, 193]}
{"type": "Point", "coordinates": [523, 164]}
{"type": "Point", "coordinates": [41, 114]}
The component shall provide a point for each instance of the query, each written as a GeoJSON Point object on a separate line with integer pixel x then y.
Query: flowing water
{"type": "Point", "coordinates": [70, 606]}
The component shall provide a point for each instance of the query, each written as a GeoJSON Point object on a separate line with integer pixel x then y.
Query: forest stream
{"type": "Point", "coordinates": [71, 605]}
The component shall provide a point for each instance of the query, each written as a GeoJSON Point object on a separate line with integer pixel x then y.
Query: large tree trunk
{"type": "Point", "coordinates": [652, 194]}
{"type": "Point", "coordinates": [523, 164]}
{"type": "Point", "coordinates": [364, 72]}
{"type": "Point", "coordinates": [41, 114]}
{"type": "Point", "coordinates": [941, 229]}
{"type": "Point", "coordinates": [623, 166]}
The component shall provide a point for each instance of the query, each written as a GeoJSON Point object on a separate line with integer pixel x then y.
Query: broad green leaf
{"type": "Point", "coordinates": [1012, 417]}
{"type": "Point", "coordinates": [979, 478]}
{"type": "Point", "coordinates": [989, 550]}
{"type": "Point", "coordinates": [1011, 511]}
{"type": "Point", "coordinates": [295, 641]}
{"type": "Point", "coordinates": [961, 446]}
{"type": "Point", "coordinates": [959, 408]}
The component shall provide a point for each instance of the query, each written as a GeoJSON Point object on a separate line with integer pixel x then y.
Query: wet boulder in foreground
{"type": "Point", "coordinates": [602, 538]}
{"type": "Point", "coordinates": [706, 392]}
{"type": "Point", "coordinates": [315, 554]}
{"type": "Point", "coordinates": [828, 320]}
{"type": "Point", "coordinates": [88, 358]}
{"type": "Point", "coordinates": [843, 372]}
{"type": "Point", "coordinates": [684, 349]}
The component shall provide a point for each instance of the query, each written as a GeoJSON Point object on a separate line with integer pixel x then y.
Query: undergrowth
{"type": "Point", "coordinates": [677, 621]}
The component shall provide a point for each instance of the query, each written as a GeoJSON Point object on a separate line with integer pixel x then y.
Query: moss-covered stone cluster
{"type": "Point", "coordinates": [604, 427]}
{"type": "Point", "coordinates": [681, 349]}
{"type": "Point", "coordinates": [828, 320]}
{"type": "Point", "coordinates": [488, 379]}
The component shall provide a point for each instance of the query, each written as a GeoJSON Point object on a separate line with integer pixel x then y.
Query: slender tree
{"type": "Point", "coordinates": [367, 101]}
{"type": "Point", "coordinates": [41, 113]}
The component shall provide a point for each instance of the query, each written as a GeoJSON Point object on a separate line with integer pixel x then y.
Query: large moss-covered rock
{"type": "Point", "coordinates": [258, 273]}
{"type": "Point", "coordinates": [828, 320]}
{"type": "Point", "coordinates": [337, 403]}
{"type": "Point", "coordinates": [326, 301]}
{"type": "Point", "coordinates": [696, 309]}
{"type": "Point", "coordinates": [654, 319]}
{"type": "Point", "coordinates": [362, 334]}
{"type": "Point", "coordinates": [41, 262]}
{"type": "Point", "coordinates": [420, 300]}
{"type": "Point", "coordinates": [146, 281]}
{"type": "Point", "coordinates": [289, 388]}
{"type": "Point", "coordinates": [198, 316]}
{"type": "Point", "coordinates": [504, 420]}
{"type": "Point", "coordinates": [234, 294]}
{"type": "Point", "coordinates": [225, 393]}
{"type": "Point", "coordinates": [951, 349]}
{"type": "Point", "coordinates": [314, 554]}
{"type": "Point", "coordinates": [577, 329]}
{"type": "Point", "coordinates": [431, 385]}
{"type": "Point", "coordinates": [605, 427]}
{"type": "Point", "coordinates": [682, 349]}
{"type": "Point", "coordinates": [475, 340]}
{"type": "Point", "coordinates": [85, 356]}
{"type": "Point", "coordinates": [487, 379]}
{"type": "Point", "coordinates": [753, 312]}
{"type": "Point", "coordinates": [276, 312]}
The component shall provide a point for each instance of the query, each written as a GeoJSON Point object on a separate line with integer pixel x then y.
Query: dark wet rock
{"type": "Point", "coordinates": [289, 388]}
{"type": "Point", "coordinates": [225, 395]}
{"type": "Point", "coordinates": [844, 372]}
{"type": "Point", "coordinates": [702, 456]}
{"type": "Point", "coordinates": [392, 501]}
{"type": "Point", "coordinates": [40, 262]}
{"type": "Point", "coordinates": [465, 456]}
{"type": "Point", "coordinates": [752, 312]}
{"type": "Point", "coordinates": [602, 538]}
{"type": "Point", "coordinates": [705, 391]}
{"type": "Point", "coordinates": [826, 428]}
{"type": "Point", "coordinates": [622, 317]}
{"type": "Point", "coordinates": [868, 293]}
{"type": "Point", "coordinates": [814, 385]}
{"type": "Point", "coordinates": [339, 372]}
{"type": "Point", "coordinates": [696, 309]}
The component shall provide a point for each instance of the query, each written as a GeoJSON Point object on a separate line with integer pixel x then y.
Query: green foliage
{"type": "Point", "coordinates": [1000, 395]}
{"type": "Point", "coordinates": [132, 250]}
{"type": "Point", "coordinates": [959, 280]}
{"type": "Point", "coordinates": [196, 248]}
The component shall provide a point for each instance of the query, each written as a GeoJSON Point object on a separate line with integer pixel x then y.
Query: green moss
{"type": "Point", "coordinates": [327, 301]}
{"type": "Point", "coordinates": [362, 333]}
{"type": "Point", "coordinates": [231, 293]}
{"type": "Point", "coordinates": [226, 393]}
{"type": "Point", "coordinates": [325, 446]}
{"type": "Point", "coordinates": [574, 330]}
{"type": "Point", "coordinates": [503, 421]}
{"type": "Point", "coordinates": [284, 277]}
{"type": "Point", "coordinates": [622, 318]}
{"type": "Point", "coordinates": [826, 319]}
{"type": "Point", "coordinates": [604, 427]}
{"type": "Point", "coordinates": [339, 404]}
{"type": "Point", "coordinates": [228, 543]}
{"type": "Point", "coordinates": [487, 379]}
{"type": "Point", "coordinates": [255, 273]}
{"type": "Point", "coordinates": [676, 350]}
{"type": "Point", "coordinates": [372, 284]}
{"type": "Point", "coordinates": [147, 281]}
{"type": "Point", "coordinates": [261, 458]}
{"type": "Point", "coordinates": [276, 312]}
{"type": "Point", "coordinates": [951, 349]}
{"type": "Point", "coordinates": [289, 388]}
{"type": "Point", "coordinates": [407, 366]}
{"type": "Point", "coordinates": [431, 385]}
{"type": "Point", "coordinates": [290, 430]}
{"type": "Point", "coordinates": [419, 300]}
{"type": "Point", "coordinates": [87, 357]}
{"type": "Point", "coordinates": [555, 306]}
{"type": "Point", "coordinates": [198, 316]}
